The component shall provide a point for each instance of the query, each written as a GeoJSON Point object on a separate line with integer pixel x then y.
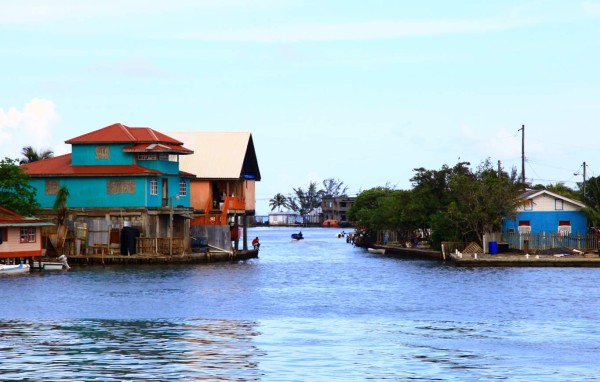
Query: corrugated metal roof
{"type": "Point", "coordinates": [219, 155]}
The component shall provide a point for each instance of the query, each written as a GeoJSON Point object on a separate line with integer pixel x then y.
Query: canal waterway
{"type": "Point", "coordinates": [311, 310]}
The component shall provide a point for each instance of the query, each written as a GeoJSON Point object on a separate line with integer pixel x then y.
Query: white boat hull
{"type": "Point", "coordinates": [15, 268]}
{"type": "Point", "coordinates": [376, 251]}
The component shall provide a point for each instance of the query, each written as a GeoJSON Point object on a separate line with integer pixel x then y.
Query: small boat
{"type": "Point", "coordinates": [378, 251]}
{"type": "Point", "coordinates": [297, 236]}
{"type": "Point", "coordinates": [13, 268]}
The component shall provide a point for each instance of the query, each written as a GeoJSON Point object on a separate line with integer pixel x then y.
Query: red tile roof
{"type": "Point", "coordinates": [61, 166]}
{"type": "Point", "coordinates": [9, 218]}
{"type": "Point", "coordinates": [119, 133]}
{"type": "Point", "coordinates": [157, 148]}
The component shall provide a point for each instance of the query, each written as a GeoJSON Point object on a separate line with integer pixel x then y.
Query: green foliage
{"type": "Point", "coordinates": [16, 193]}
{"type": "Point", "coordinates": [278, 201]}
{"type": "Point", "coordinates": [592, 201]}
{"type": "Point", "coordinates": [333, 187]}
{"type": "Point", "coordinates": [60, 205]}
{"type": "Point", "coordinates": [453, 203]}
{"type": "Point", "coordinates": [31, 155]}
{"type": "Point", "coordinates": [305, 201]}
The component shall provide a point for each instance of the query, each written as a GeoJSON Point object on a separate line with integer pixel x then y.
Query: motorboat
{"type": "Point", "coordinates": [378, 251]}
{"type": "Point", "coordinates": [297, 236]}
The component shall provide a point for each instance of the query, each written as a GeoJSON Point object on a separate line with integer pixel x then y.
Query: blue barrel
{"type": "Point", "coordinates": [493, 247]}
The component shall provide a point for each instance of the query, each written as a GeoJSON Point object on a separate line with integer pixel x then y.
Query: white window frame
{"type": "Point", "coordinates": [153, 186]}
{"type": "Point", "coordinates": [28, 235]}
{"type": "Point", "coordinates": [182, 187]}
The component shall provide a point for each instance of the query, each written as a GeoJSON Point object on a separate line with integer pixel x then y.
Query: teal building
{"type": "Point", "coordinates": [119, 176]}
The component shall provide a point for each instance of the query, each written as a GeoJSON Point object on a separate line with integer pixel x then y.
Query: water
{"type": "Point", "coordinates": [310, 310]}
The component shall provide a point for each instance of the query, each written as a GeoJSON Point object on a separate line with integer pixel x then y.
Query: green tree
{"type": "Point", "coordinates": [334, 187]}
{"type": "Point", "coordinates": [305, 201]}
{"type": "Point", "coordinates": [60, 205]}
{"type": "Point", "coordinates": [278, 201]}
{"type": "Point", "coordinates": [366, 208]}
{"type": "Point", "coordinates": [15, 191]}
{"type": "Point", "coordinates": [560, 189]}
{"type": "Point", "coordinates": [480, 200]}
{"type": "Point", "coordinates": [31, 155]}
{"type": "Point", "coordinates": [592, 201]}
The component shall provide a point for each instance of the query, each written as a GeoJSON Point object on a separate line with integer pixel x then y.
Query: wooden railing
{"type": "Point", "coordinates": [231, 203]}
{"type": "Point", "coordinates": [160, 245]}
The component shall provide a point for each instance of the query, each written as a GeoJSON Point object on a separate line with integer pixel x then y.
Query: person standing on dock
{"type": "Point", "coordinates": [256, 243]}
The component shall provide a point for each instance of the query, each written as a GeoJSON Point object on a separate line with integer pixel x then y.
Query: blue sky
{"type": "Point", "coordinates": [360, 91]}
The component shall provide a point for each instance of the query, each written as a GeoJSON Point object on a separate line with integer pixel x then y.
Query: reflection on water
{"type": "Point", "coordinates": [314, 310]}
{"type": "Point", "coordinates": [129, 350]}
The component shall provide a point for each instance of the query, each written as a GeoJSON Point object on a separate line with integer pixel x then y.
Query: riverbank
{"type": "Point", "coordinates": [519, 260]}
{"type": "Point", "coordinates": [152, 258]}
{"type": "Point", "coordinates": [558, 259]}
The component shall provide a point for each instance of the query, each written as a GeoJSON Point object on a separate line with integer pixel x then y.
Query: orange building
{"type": "Point", "coordinates": [223, 192]}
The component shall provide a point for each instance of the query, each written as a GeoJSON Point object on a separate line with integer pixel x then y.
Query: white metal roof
{"type": "Point", "coordinates": [217, 155]}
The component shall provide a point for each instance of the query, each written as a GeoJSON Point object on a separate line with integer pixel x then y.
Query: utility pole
{"type": "Point", "coordinates": [584, 166]}
{"type": "Point", "coordinates": [522, 129]}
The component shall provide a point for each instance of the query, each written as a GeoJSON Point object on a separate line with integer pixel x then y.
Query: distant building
{"type": "Point", "coordinates": [223, 191]}
{"type": "Point", "coordinates": [284, 218]}
{"type": "Point", "coordinates": [545, 211]}
{"type": "Point", "coordinates": [335, 208]}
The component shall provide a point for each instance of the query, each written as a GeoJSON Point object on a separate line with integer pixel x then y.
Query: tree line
{"type": "Point", "coordinates": [304, 201]}
{"type": "Point", "coordinates": [456, 203]}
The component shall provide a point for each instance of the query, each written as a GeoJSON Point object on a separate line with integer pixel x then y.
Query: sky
{"type": "Point", "coordinates": [360, 91]}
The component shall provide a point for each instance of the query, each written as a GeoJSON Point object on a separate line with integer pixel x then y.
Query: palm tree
{"type": "Point", "coordinates": [31, 155]}
{"type": "Point", "coordinates": [278, 201]}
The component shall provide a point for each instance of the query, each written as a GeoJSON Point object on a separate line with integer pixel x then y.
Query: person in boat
{"type": "Point", "coordinates": [300, 235]}
{"type": "Point", "coordinates": [256, 243]}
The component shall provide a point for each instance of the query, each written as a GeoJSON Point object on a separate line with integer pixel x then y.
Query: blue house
{"type": "Point", "coordinates": [119, 176]}
{"type": "Point", "coordinates": [545, 211]}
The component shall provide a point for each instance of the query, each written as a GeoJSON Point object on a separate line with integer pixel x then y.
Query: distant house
{"type": "Point", "coordinates": [20, 236]}
{"type": "Point", "coordinates": [545, 211]}
{"type": "Point", "coordinates": [284, 218]}
{"type": "Point", "coordinates": [116, 175]}
{"type": "Point", "coordinates": [335, 208]}
{"type": "Point", "coordinates": [223, 191]}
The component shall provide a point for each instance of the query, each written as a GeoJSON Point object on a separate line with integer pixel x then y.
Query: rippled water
{"type": "Point", "coordinates": [312, 310]}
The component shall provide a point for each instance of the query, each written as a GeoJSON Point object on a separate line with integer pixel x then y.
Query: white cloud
{"type": "Point", "coordinates": [31, 126]}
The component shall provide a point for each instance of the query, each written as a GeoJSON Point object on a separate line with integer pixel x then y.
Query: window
{"type": "Point", "coordinates": [524, 226]}
{"type": "Point", "coordinates": [102, 152]}
{"type": "Point", "coordinates": [564, 227]}
{"type": "Point", "coordinates": [120, 187]}
{"type": "Point", "coordinates": [52, 187]}
{"type": "Point", "coordinates": [3, 235]}
{"type": "Point", "coordinates": [27, 235]}
{"type": "Point", "coordinates": [153, 186]}
{"type": "Point", "coordinates": [558, 204]}
{"type": "Point", "coordinates": [182, 187]}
